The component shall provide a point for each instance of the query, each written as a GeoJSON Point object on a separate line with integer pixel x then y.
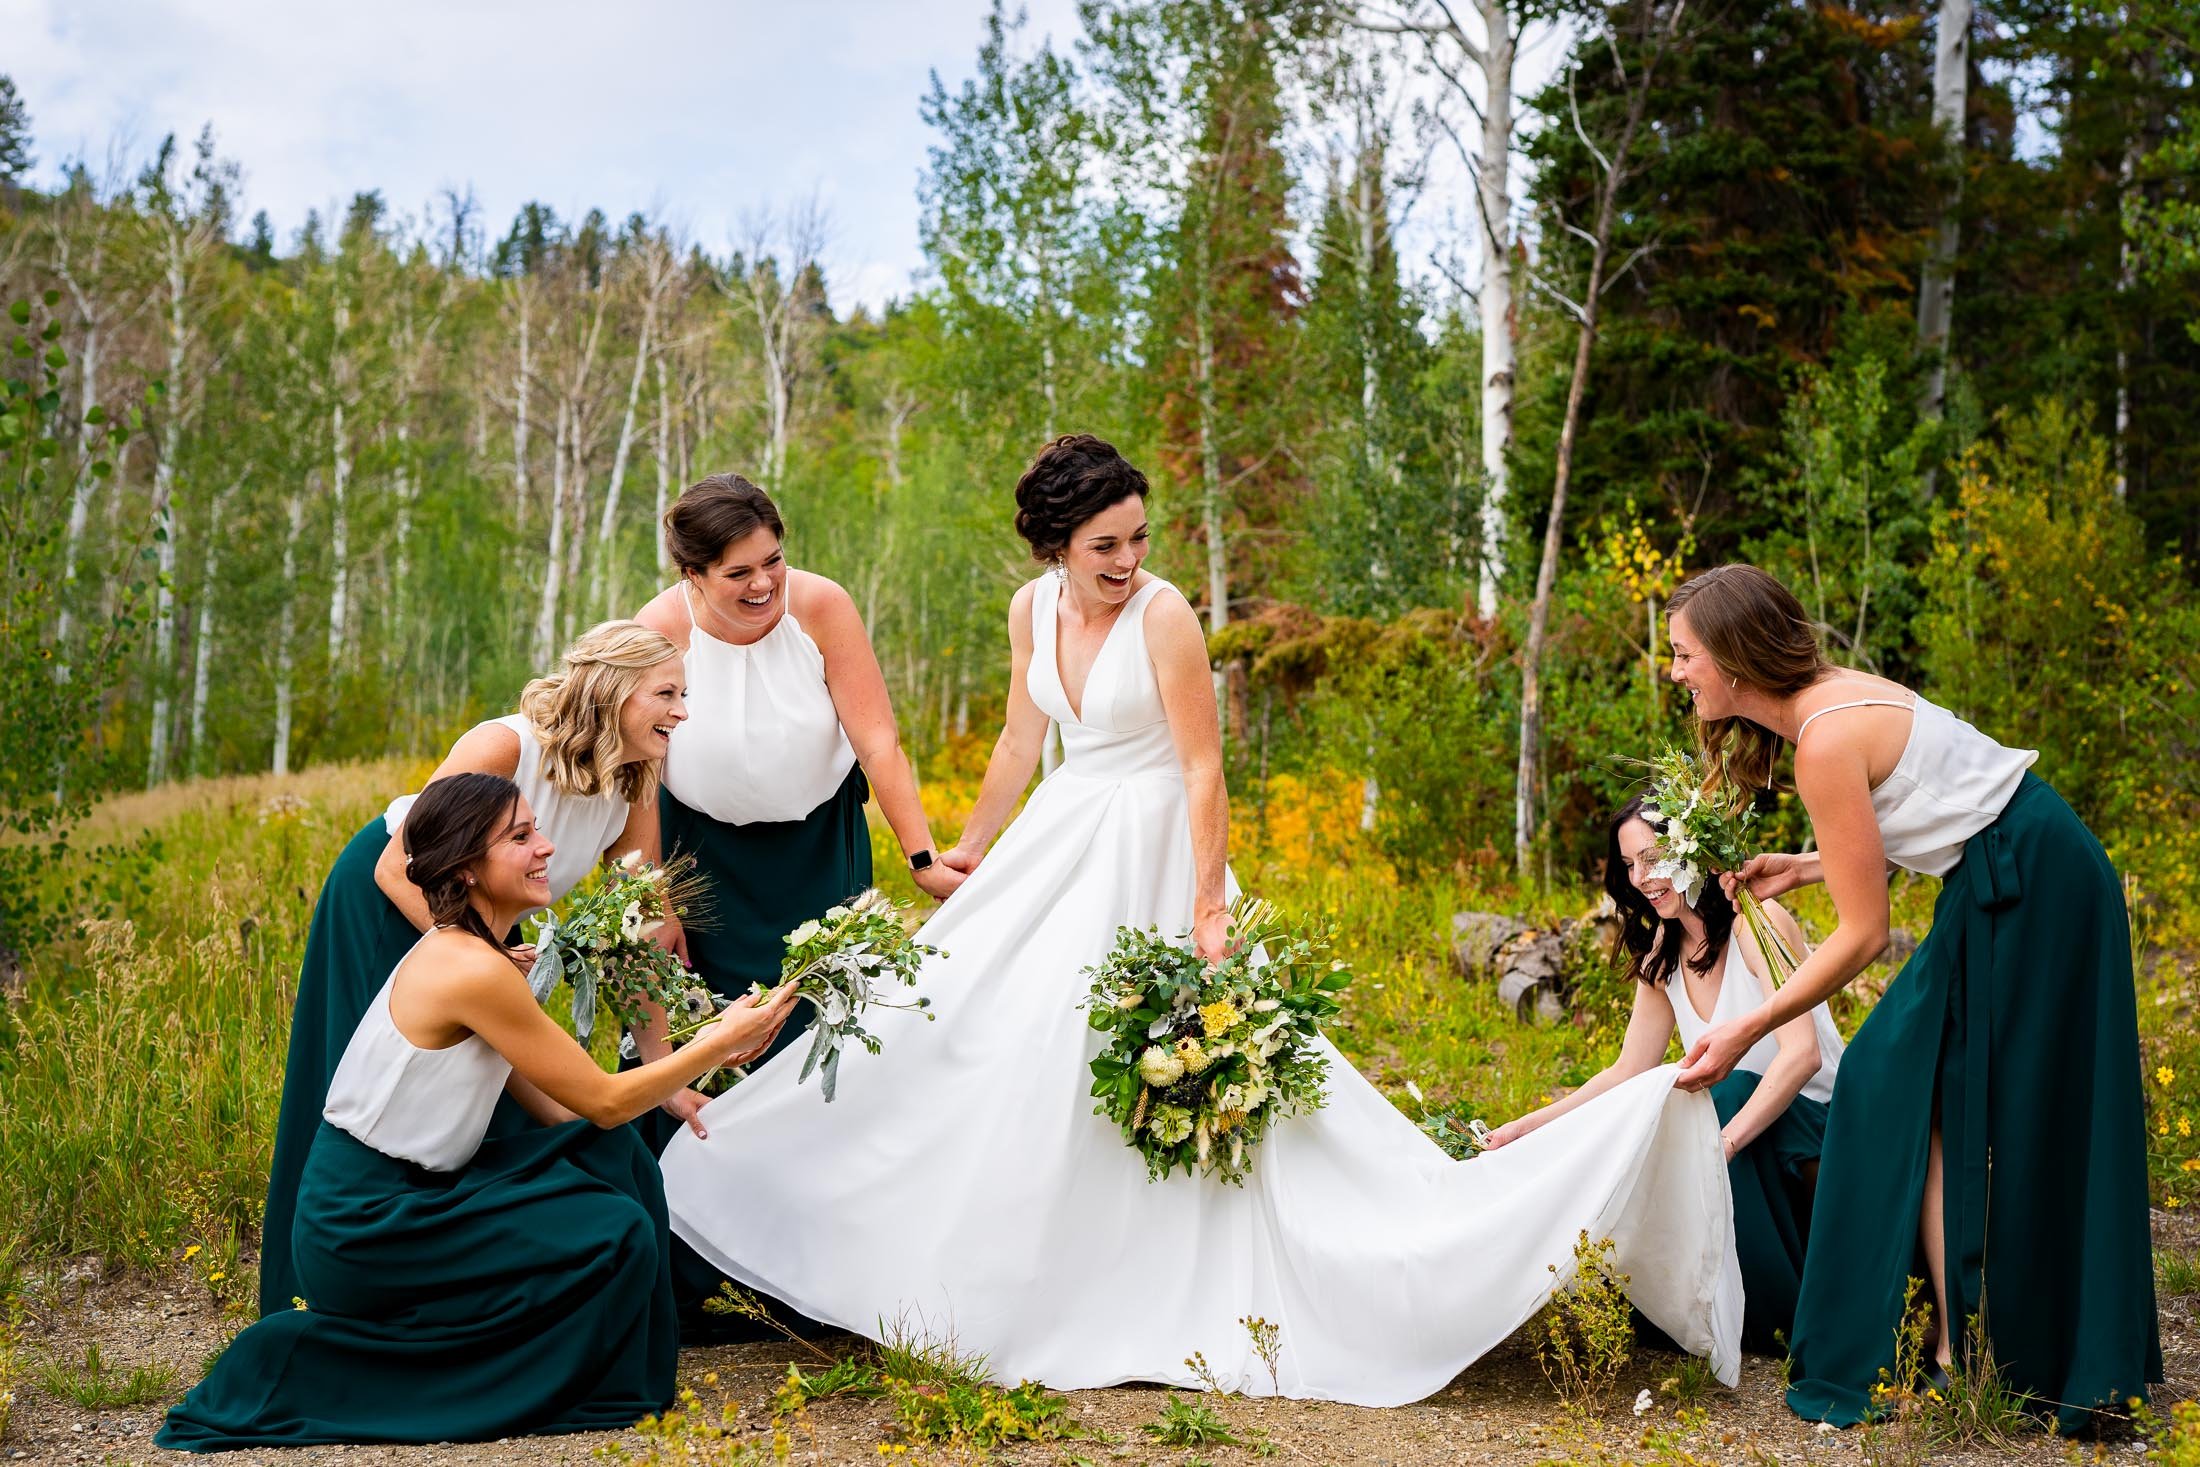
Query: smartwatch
{"type": "Point", "coordinates": [922, 860]}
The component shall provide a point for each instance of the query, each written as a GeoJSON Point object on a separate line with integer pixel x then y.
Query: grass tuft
{"type": "Point", "coordinates": [95, 1385]}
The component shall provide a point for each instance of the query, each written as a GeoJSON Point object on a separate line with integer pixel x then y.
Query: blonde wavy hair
{"type": "Point", "coordinates": [1754, 631]}
{"type": "Point", "coordinates": [575, 710]}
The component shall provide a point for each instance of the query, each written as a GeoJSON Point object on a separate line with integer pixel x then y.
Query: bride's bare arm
{"type": "Point", "coordinates": [1015, 752]}
{"type": "Point", "coordinates": [1179, 651]}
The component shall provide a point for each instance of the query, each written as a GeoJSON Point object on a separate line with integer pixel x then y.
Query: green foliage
{"type": "Point", "coordinates": [1189, 1422]}
{"type": "Point", "coordinates": [96, 1386]}
{"type": "Point", "coordinates": [1587, 1330]}
{"type": "Point", "coordinates": [962, 1414]}
{"type": "Point", "coordinates": [1849, 485]}
{"type": "Point", "coordinates": [51, 694]}
{"type": "Point", "coordinates": [2176, 1272]}
{"type": "Point", "coordinates": [2047, 621]}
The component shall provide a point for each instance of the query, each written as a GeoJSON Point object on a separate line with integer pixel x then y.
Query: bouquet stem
{"type": "Point", "coordinates": [1769, 941]}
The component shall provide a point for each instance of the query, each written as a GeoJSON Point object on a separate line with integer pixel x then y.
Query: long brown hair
{"type": "Point", "coordinates": [449, 828]}
{"type": "Point", "coordinates": [1756, 632]}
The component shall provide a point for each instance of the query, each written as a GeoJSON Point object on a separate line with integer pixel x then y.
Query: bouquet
{"type": "Point", "coordinates": [602, 944]}
{"type": "Point", "coordinates": [840, 963]}
{"type": "Point", "coordinates": [1201, 1060]}
{"type": "Point", "coordinates": [1455, 1128]}
{"type": "Point", "coordinates": [1703, 831]}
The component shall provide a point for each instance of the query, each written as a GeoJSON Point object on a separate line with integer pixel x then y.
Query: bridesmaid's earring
{"type": "Point", "coordinates": [1061, 571]}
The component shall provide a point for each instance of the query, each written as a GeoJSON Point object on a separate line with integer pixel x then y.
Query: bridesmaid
{"type": "Point", "coordinates": [585, 748]}
{"type": "Point", "coordinates": [459, 1287]}
{"type": "Point", "coordinates": [765, 786]}
{"type": "Point", "coordinates": [1692, 968]}
{"type": "Point", "coordinates": [1989, 1135]}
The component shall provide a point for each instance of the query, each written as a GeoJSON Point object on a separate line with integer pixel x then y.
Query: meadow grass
{"type": "Point", "coordinates": [141, 1070]}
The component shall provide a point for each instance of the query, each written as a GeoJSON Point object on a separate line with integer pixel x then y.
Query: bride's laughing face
{"type": "Point", "coordinates": [1638, 846]}
{"type": "Point", "coordinates": [747, 584]}
{"type": "Point", "coordinates": [1105, 551]}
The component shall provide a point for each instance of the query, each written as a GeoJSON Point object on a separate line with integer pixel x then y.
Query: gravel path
{"type": "Point", "coordinates": [1500, 1411]}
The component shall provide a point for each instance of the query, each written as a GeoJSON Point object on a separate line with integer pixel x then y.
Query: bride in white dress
{"type": "Point", "coordinates": [962, 1184]}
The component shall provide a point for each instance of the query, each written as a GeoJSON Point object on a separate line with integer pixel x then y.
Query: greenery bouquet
{"type": "Point", "coordinates": [603, 943]}
{"type": "Point", "coordinates": [1704, 830]}
{"type": "Point", "coordinates": [1201, 1060]}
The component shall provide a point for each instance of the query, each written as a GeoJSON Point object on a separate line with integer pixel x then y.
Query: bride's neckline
{"type": "Point", "coordinates": [1122, 614]}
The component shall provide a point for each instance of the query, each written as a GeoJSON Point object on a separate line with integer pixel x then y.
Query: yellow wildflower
{"type": "Point", "coordinates": [2192, 1163]}
{"type": "Point", "coordinates": [191, 1252]}
{"type": "Point", "coordinates": [216, 1276]}
{"type": "Point", "coordinates": [2184, 1125]}
{"type": "Point", "coordinates": [2165, 1076]}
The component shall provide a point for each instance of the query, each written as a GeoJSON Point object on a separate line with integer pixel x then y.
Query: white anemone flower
{"type": "Point", "coordinates": [803, 934]}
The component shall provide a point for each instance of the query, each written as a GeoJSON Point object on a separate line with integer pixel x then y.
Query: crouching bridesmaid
{"type": "Point", "coordinates": [456, 1288]}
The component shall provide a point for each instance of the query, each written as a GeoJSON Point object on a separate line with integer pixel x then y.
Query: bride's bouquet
{"type": "Point", "coordinates": [1201, 1060]}
{"type": "Point", "coordinates": [842, 964]}
{"type": "Point", "coordinates": [602, 942]}
{"type": "Point", "coordinates": [1702, 832]}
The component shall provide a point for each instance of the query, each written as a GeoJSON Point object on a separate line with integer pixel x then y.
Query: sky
{"type": "Point", "coordinates": [697, 112]}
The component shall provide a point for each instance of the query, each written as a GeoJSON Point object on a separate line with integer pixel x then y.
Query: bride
{"type": "Point", "coordinates": [961, 1184]}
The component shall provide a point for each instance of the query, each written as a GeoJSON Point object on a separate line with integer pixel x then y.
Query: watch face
{"type": "Point", "coordinates": [920, 861]}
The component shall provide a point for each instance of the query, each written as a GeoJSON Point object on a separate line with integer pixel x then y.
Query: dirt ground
{"type": "Point", "coordinates": [1499, 1411]}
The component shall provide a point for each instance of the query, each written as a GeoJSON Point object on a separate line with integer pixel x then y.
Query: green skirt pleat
{"type": "Point", "coordinates": [526, 1293]}
{"type": "Point", "coordinates": [357, 938]}
{"type": "Point", "coordinates": [766, 879]}
{"type": "Point", "coordinates": [2015, 1024]}
{"type": "Point", "coordinates": [1771, 1179]}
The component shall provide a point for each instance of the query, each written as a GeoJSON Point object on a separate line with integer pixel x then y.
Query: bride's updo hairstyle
{"type": "Point", "coordinates": [1073, 478]}
{"type": "Point", "coordinates": [1756, 632]}
{"type": "Point", "coordinates": [713, 513]}
{"type": "Point", "coordinates": [575, 710]}
{"type": "Point", "coordinates": [449, 828]}
{"type": "Point", "coordinates": [1650, 945]}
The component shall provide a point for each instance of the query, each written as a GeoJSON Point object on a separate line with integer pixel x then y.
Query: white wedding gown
{"type": "Point", "coordinates": [962, 1184]}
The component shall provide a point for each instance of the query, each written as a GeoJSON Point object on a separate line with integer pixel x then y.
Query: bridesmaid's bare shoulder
{"type": "Point", "coordinates": [667, 614]}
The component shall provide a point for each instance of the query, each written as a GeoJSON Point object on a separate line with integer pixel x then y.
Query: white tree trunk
{"type": "Point", "coordinates": [404, 489]}
{"type": "Point", "coordinates": [1937, 290]}
{"type": "Point", "coordinates": [202, 650]}
{"type": "Point", "coordinates": [80, 498]}
{"type": "Point", "coordinates": [553, 568]}
{"type": "Point", "coordinates": [286, 637]}
{"type": "Point", "coordinates": [664, 468]}
{"type": "Point", "coordinates": [1496, 298]}
{"type": "Point", "coordinates": [164, 519]}
{"type": "Point", "coordinates": [1211, 507]}
{"type": "Point", "coordinates": [604, 585]}
{"type": "Point", "coordinates": [520, 394]}
{"type": "Point", "coordinates": [339, 538]}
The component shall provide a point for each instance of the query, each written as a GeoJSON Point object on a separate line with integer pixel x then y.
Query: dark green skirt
{"type": "Point", "coordinates": [357, 938]}
{"type": "Point", "coordinates": [766, 879]}
{"type": "Point", "coordinates": [525, 1293]}
{"type": "Point", "coordinates": [1771, 1179]}
{"type": "Point", "coordinates": [2015, 1024]}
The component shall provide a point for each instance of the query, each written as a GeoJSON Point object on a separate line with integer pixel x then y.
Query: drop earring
{"type": "Point", "coordinates": [1061, 571]}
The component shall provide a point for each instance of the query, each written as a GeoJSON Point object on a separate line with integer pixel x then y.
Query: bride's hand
{"type": "Point", "coordinates": [1508, 1133]}
{"type": "Point", "coordinates": [939, 880]}
{"type": "Point", "coordinates": [1211, 935]}
{"type": "Point", "coordinates": [1768, 876]}
{"type": "Point", "coordinates": [687, 1109]}
{"type": "Point", "coordinates": [959, 858]}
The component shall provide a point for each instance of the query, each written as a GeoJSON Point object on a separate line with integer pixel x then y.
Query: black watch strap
{"type": "Point", "coordinates": [922, 860]}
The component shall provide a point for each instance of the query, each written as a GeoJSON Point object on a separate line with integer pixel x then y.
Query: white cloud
{"type": "Point", "coordinates": [695, 110]}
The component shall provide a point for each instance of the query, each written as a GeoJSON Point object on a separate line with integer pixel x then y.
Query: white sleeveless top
{"type": "Point", "coordinates": [1122, 731]}
{"type": "Point", "coordinates": [762, 739]}
{"type": "Point", "coordinates": [427, 1106]}
{"type": "Point", "coordinates": [1741, 992]}
{"type": "Point", "coordinates": [1950, 783]}
{"type": "Point", "coordinates": [582, 827]}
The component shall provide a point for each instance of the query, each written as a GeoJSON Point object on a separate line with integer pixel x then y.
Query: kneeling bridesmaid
{"type": "Point", "coordinates": [457, 1288]}
{"type": "Point", "coordinates": [1694, 968]}
{"type": "Point", "coordinates": [585, 749]}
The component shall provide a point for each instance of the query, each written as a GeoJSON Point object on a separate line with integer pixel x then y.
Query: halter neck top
{"type": "Point", "coordinates": [1950, 783]}
{"type": "Point", "coordinates": [762, 741]}
{"type": "Point", "coordinates": [1741, 992]}
{"type": "Point", "coordinates": [426, 1106]}
{"type": "Point", "coordinates": [581, 827]}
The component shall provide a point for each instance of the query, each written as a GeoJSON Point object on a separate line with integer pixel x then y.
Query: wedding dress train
{"type": "Point", "coordinates": [961, 1184]}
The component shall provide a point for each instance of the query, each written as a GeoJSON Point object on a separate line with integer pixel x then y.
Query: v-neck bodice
{"type": "Point", "coordinates": [1121, 730]}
